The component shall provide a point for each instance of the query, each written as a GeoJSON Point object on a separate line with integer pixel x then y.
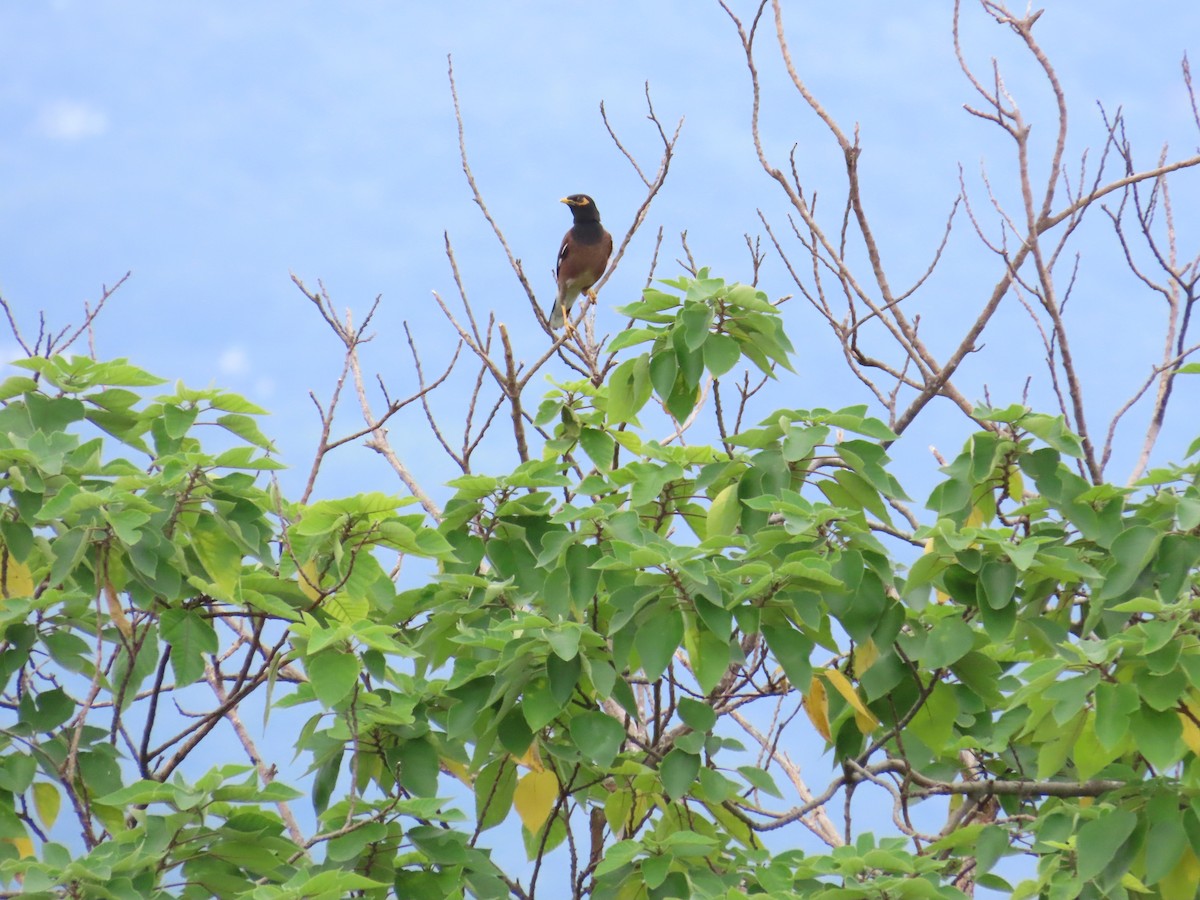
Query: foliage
{"type": "Point", "coordinates": [595, 638]}
{"type": "Point", "coordinates": [614, 650]}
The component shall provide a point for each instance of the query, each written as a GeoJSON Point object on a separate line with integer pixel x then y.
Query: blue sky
{"type": "Point", "coordinates": [212, 148]}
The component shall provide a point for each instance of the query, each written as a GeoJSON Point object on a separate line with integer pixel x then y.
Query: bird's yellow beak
{"type": "Point", "coordinates": [568, 201]}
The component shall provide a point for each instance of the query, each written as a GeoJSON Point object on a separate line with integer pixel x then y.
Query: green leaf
{"type": "Point", "coordinates": [494, 792]}
{"type": "Point", "coordinates": [540, 705]}
{"type": "Point", "coordinates": [664, 367]}
{"type": "Point", "coordinates": [697, 714]}
{"type": "Point", "coordinates": [619, 854]}
{"type": "Point", "coordinates": [1071, 694]}
{"type": "Point", "coordinates": [678, 772]}
{"type": "Point", "coordinates": [16, 772]}
{"type": "Point", "coordinates": [1158, 736]}
{"type": "Point", "coordinates": [1131, 553]}
{"type": "Point", "coordinates": [709, 656]}
{"type": "Point", "coordinates": [246, 428]}
{"type": "Point", "coordinates": [628, 389]}
{"type": "Point", "coordinates": [760, 780]}
{"type": "Point", "coordinates": [140, 792]}
{"type": "Point", "coordinates": [792, 649]}
{"type": "Point", "coordinates": [1164, 847]}
{"type": "Point", "coordinates": [997, 582]}
{"type": "Point", "coordinates": [657, 638]}
{"type": "Point", "coordinates": [583, 579]}
{"type": "Point", "coordinates": [800, 441]}
{"type": "Point", "coordinates": [190, 636]}
{"type": "Point", "coordinates": [631, 336]}
{"type": "Point", "coordinates": [655, 870]}
{"type": "Point", "coordinates": [53, 414]}
{"type": "Point", "coordinates": [695, 320]}
{"type": "Point", "coordinates": [992, 844]}
{"type": "Point", "coordinates": [724, 513]}
{"type": "Point", "coordinates": [1162, 692]}
{"type": "Point", "coordinates": [1053, 430]}
{"type": "Point", "coordinates": [721, 354]}
{"type": "Point", "coordinates": [563, 674]}
{"type": "Point", "coordinates": [51, 709]}
{"type": "Point", "coordinates": [599, 446]}
{"type": "Point", "coordinates": [682, 399]}
{"type": "Point", "coordinates": [418, 766]}
{"type": "Point", "coordinates": [1115, 703]}
{"type": "Point", "coordinates": [333, 674]}
{"type": "Point", "coordinates": [18, 384]}
{"type": "Point", "coordinates": [598, 736]}
{"type": "Point", "coordinates": [863, 494]}
{"type": "Point", "coordinates": [177, 420]}
{"type": "Point", "coordinates": [948, 641]}
{"type": "Point", "coordinates": [68, 550]}
{"type": "Point", "coordinates": [1089, 753]}
{"type": "Point", "coordinates": [221, 557]}
{"type": "Point", "coordinates": [1100, 839]}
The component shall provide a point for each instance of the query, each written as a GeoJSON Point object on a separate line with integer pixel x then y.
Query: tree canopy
{"type": "Point", "coordinates": [618, 643]}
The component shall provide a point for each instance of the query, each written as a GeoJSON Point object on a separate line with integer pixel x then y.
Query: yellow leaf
{"type": "Point", "coordinates": [975, 519]}
{"type": "Point", "coordinates": [1191, 732]}
{"type": "Point", "coordinates": [368, 767]}
{"type": "Point", "coordinates": [733, 825]}
{"type": "Point", "coordinates": [1130, 883]}
{"type": "Point", "coordinates": [309, 579]}
{"type": "Point", "coordinates": [816, 704]}
{"type": "Point", "coordinates": [346, 609]}
{"type": "Point", "coordinates": [46, 800]}
{"type": "Point", "coordinates": [724, 513]}
{"type": "Point", "coordinates": [115, 611]}
{"type": "Point", "coordinates": [458, 770]}
{"type": "Point", "coordinates": [111, 817]}
{"type": "Point", "coordinates": [1180, 883]}
{"type": "Point", "coordinates": [865, 655]}
{"type": "Point", "coordinates": [24, 846]}
{"type": "Point", "coordinates": [1015, 484]}
{"type": "Point", "coordinates": [15, 578]}
{"type": "Point", "coordinates": [616, 811]}
{"type": "Point", "coordinates": [534, 798]}
{"type": "Point", "coordinates": [863, 717]}
{"type": "Point", "coordinates": [531, 759]}
{"type": "Point", "coordinates": [938, 596]}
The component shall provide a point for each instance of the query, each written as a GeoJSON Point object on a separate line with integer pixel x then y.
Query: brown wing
{"type": "Point", "coordinates": [583, 264]}
{"type": "Point", "coordinates": [563, 252]}
{"type": "Point", "coordinates": [608, 247]}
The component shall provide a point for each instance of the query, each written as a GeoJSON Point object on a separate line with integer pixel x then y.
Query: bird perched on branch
{"type": "Point", "coordinates": [582, 258]}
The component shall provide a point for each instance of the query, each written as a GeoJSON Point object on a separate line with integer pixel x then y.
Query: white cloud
{"type": "Point", "coordinates": [10, 353]}
{"type": "Point", "coordinates": [234, 361]}
{"type": "Point", "coordinates": [71, 120]}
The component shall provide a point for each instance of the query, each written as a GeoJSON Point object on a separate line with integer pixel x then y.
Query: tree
{"type": "Point", "coordinates": [611, 640]}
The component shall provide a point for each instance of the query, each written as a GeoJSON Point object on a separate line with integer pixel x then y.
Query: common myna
{"type": "Point", "coordinates": [582, 258]}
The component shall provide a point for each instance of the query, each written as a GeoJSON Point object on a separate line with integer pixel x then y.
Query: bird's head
{"type": "Point", "coordinates": [583, 207]}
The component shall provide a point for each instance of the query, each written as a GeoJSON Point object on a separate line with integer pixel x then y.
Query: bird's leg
{"type": "Point", "coordinates": [568, 326]}
{"type": "Point", "coordinates": [590, 293]}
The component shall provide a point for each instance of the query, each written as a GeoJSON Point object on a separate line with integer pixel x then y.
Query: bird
{"type": "Point", "coordinates": [582, 258]}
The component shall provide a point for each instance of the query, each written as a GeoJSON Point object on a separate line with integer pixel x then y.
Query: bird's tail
{"type": "Point", "coordinates": [556, 314]}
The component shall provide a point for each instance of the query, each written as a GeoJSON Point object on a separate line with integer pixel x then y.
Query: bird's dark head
{"type": "Point", "coordinates": [583, 207]}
